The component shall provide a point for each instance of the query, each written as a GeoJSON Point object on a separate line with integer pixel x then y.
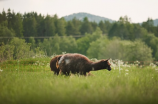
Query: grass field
{"type": "Point", "coordinates": [32, 82]}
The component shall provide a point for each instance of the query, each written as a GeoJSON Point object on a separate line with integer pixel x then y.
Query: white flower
{"type": "Point", "coordinates": [126, 70]}
{"type": "Point", "coordinates": [126, 74]}
{"type": "Point", "coordinates": [1, 70]}
{"type": "Point", "coordinates": [153, 65]}
{"type": "Point", "coordinates": [121, 69]}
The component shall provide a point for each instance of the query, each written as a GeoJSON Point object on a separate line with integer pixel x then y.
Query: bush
{"type": "Point", "coordinates": [84, 43]}
{"type": "Point", "coordinates": [17, 49]}
{"type": "Point", "coordinates": [120, 49]}
{"type": "Point", "coordinates": [58, 45]}
{"type": "Point", "coordinates": [21, 49]}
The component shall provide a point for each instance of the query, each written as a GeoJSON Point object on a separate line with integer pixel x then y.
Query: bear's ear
{"type": "Point", "coordinates": [107, 59]}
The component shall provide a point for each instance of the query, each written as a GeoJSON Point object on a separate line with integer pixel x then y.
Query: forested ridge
{"type": "Point", "coordinates": [91, 17]}
{"type": "Point", "coordinates": [31, 34]}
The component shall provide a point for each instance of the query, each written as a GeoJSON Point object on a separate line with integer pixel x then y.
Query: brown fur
{"type": "Point", "coordinates": [54, 64]}
{"type": "Point", "coordinates": [77, 63]}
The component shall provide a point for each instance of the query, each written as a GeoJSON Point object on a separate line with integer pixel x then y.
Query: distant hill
{"type": "Point", "coordinates": [95, 18]}
{"type": "Point", "coordinates": [90, 17]}
{"type": "Point", "coordinates": [155, 22]}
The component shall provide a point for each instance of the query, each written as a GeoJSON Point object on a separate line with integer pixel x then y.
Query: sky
{"type": "Point", "coordinates": [137, 10]}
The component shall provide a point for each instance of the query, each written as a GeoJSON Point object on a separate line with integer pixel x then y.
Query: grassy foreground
{"type": "Point", "coordinates": [132, 85]}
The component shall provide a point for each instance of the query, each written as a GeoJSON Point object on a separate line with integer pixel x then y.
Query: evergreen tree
{"type": "Point", "coordinates": [30, 26]}
{"type": "Point", "coordinates": [48, 26]}
{"type": "Point", "coordinates": [9, 18]}
{"type": "Point", "coordinates": [40, 26]}
{"type": "Point", "coordinates": [60, 25]}
{"type": "Point", "coordinates": [125, 30]}
{"type": "Point", "coordinates": [86, 27]}
{"type": "Point", "coordinates": [149, 26]}
{"type": "Point", "coordinates": [3, 16]}
{"type": "Point", "coordinates": [70, 29]}
{"type": "Point", "coordinates": [17, 25]}
{"type": "Point", "coordinates": [102, 27]}
{"type": "Point", "coordinates": [77, 24]}
{"type": "Point", "coordinates": [108, 26]}
{"type": "Point", "coordinates": [94, 26]}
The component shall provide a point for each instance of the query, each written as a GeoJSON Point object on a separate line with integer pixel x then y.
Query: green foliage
{"type": "Point", "coordinates": [127, 31]}
{"type": "Point", "coordinates": [18, 49]}
{"type": "Point", "coordinates": [6, 33]}
{"type": "Point", "coordinates": [3, 16]}
{"type": "Point", "coordinates": [84, 42]}
{"type": "Point", "coordinates": [32, 42]}
{"type": "Point", "coordinates": [60, 26]}
{"type": "Point", "coordinates": [57, 45]}
{"type": "Point", "coordinates": [17, 25]}
{"type": "Point", "coordinates": [151, 40]}
{"type": "Point", "coordinates": [68, 44]}
{"type": "Point", "coordinates": [77, 24]}
{"type": "Point", "coordinates": [138, 32]}
{"type": "Point", "coordinates": [103, 27]}
{"type": "Point", "coordinates": [112, 50]}
{"type": "Point", "coordinates": [149, 26]}
{"type": "Point", "coordinates": [118, 49]}
{"type": "Point", "coordinates": [21, 49]}
{"type": "Point", "coordinates": [72, 27]}
{"type": "Point", "coordinates": [6, 52]}
{"type": "Point", "coordinates": [30, 27]}
{"type": "Point", "coordinates": [140, 51]}
{"type": "Point", "coordinates": [96, 46]}
{"type": "Point", "coordinates": [15, 22]}
{"type": "Point", "coordinates": [48, 26]}
{"type": "Point", "coordinates": [86, 26]}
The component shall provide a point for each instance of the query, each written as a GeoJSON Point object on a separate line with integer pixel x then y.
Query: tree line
{"type": "Point", "coordinates": [102, 39]}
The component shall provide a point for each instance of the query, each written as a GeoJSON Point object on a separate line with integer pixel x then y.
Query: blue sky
{"type": "Point", "coordinates": [137, 10]}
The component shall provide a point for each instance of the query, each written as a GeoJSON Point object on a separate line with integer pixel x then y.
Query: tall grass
{"type": "Point", "coordinates": [130, 85]}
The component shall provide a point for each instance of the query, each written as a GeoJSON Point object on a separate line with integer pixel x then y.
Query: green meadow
{"type": "Point", "coordinates": [31, 82]}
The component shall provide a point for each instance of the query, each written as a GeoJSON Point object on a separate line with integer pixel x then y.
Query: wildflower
{"type": "Point", "coordinates": [1, 70]}
{"type": "Point", "coordinates": [94, 59]}
{"type": "Point", "coordinates": [126, 74]}
{"type": "Point", "coordinates": [152, 65]}
{"type": "Point", "coordinates": [63, 53]}
{"type": "Point", "coordinates": [48, 64]}
{"type": "Point", "coordinates": [126, 70]}
{"type": "Point", "coordinates": [121, 69]}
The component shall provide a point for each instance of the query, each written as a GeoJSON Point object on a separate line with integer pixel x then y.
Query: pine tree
{"type": "Point", "coordinates": [86, 27]}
